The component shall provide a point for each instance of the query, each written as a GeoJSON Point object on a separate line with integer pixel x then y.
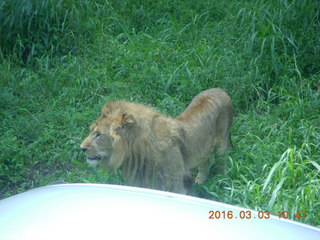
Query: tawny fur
{"type": "Point", "coordinates": [157, 151]}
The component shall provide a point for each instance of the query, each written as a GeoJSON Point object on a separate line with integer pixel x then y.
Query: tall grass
{"type": "Point", "coordinates": [32, 28]}
{"type": "Point", "coordinates": [277, 36]}
{"type": "Point", "coordinates": [62, 59]}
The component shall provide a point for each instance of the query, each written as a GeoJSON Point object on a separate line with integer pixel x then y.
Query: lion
{"type": "Point", "coordinates": [156, 151]}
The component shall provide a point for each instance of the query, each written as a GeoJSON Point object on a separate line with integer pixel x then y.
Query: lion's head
{"type": "Point", "coordinates": [107, 139]}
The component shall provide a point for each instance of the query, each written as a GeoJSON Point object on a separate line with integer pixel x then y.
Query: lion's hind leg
{"type": "Point", "coordinates": [220, 165]}
{"type": "Point", "coordinates": [203, 172]}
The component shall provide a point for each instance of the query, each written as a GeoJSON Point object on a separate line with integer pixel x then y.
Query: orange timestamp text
{"type": "Point", "coordinates": [287, 214]}
{"type": "Point", "coordinates": [247, 214]}
{"type": "Point", "coordinates": [238, 215]}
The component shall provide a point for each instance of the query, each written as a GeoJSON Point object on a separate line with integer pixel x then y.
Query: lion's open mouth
{"type": "Point", "coordinates": [97, 158]}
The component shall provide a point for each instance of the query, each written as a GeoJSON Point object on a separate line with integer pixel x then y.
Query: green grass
{"type": "Point", "coordinates": [61, 60]}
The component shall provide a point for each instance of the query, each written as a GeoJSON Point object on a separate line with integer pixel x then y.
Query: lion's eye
{"type": "Point", "coordinates": [97, 135]}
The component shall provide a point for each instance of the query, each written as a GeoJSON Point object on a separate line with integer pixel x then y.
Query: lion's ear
{"type": "Point", "coordinates": [126, 123]}
{"type": "Point", "coordinates": [127, 119]}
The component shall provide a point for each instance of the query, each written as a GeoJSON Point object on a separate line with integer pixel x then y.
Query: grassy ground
{"type": "Point", "coordinates": [61, 60]}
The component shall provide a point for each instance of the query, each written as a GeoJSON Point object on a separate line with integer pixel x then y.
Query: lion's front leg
{"type": "Point", "coordinates": [178, 186]}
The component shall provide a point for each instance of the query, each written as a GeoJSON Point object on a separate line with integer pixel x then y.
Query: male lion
{"type": "Point", "coordinates": [156, 151]}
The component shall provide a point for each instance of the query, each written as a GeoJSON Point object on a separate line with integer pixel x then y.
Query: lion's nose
{"type": "Point", "coordinates": [83, 149]}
